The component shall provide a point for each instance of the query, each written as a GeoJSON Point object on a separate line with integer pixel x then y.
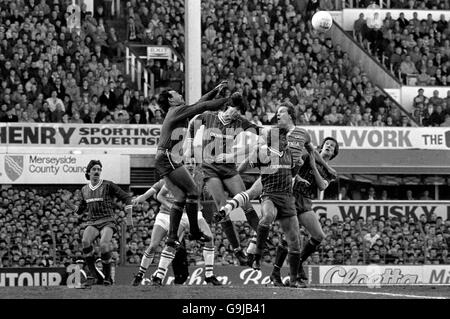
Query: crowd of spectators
{"type": "Point", "coordinates": [400, 4]}
{"type": "Point", "coordinates": [432, 110]}
{"type": "Point", "coordinates": [415, 49]}
{"type": "Point", "coordinates": [37, 229]}
{"type": "Point", "coordinates": [267, 50]}
{"type": "Point", "coordinates": [53, 71]}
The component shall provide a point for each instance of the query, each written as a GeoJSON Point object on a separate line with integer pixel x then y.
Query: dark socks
{"type": "Point", "coordinates": [294, 262]}
{"type": "Point", "coordinates": [252, 218]}
{"type": "Point", "coordinates": [230, 232]}
{"type": "Point", "coordinates": [280, 256]}
{"type": "Point", "coordinates": [192, 213]}
{"type": "Point", "coordinates": [261, 237]}
{"type": "Point", "coordinates": [309, 248]}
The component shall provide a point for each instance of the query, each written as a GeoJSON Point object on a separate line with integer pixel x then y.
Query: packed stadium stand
{"type": "Point", "coordinates": [268, 52]}
{"type": "Point", "coordinates": [37, 229]}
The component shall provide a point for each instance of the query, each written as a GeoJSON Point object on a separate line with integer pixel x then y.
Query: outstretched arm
{"type": "Point", "coordinates": [149, 193]}
{"type": "Point", "coordinates": [214, 92]}
{"type": "Point", "coordinates": [162, 197]}
{"type": "Point", "coordinates": [124, 197]}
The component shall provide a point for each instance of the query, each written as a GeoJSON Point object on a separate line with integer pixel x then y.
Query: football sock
{"type": "Point", "coordinates": [106, 262]}
{"type": "Point", "coordinates": [208, 256]}
{"type": "Point", "coordinates": [192, 213]}
{"type": "Point", "coordinates": [251, 249]}
{"type": "Point", "coordinates": [147, 259]}
{"type": "Point", "coordinates": [252, 218]}
{"type": "Point", "coordinates": [167, 255]}
{"type": "Point", "coordinates": [237, 201]}
{"type": "Point", "coordinates": [230, 232]}
{"type": "Point", "coordinates": [280, 256]}
{"type": "Point", "coordinates": [261, 237]}
{"type": "Point", "coordinates": [294, 262]}
{"type": "Point", "coordinates": [309, 248]}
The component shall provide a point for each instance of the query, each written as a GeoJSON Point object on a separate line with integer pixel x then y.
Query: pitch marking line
{"type": "Point", "coordinates": [375, 293]}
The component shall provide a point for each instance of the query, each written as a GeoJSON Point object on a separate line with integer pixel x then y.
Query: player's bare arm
{"type": "Point", "coordinates": [322, 184]}
{"type": "Point", "coordinates": [162, 197]}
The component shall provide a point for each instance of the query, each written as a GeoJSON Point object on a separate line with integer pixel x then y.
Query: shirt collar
{"type": "Point", "coordinates": [222, 119]}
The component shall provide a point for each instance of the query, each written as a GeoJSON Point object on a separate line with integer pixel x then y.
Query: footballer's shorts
{"type": "Point", "coordinates": [163, 220]}
{"type": "Point", "coordinates": [220, 171]}
{"type": "Point", "coordinates": [284, 203]}
{"type": "Point", "coordinates": [99, 224]}
{"type": "Point", "coordinates": [302, 204]}
{"type": "Point", "coordinates": [164, 162]}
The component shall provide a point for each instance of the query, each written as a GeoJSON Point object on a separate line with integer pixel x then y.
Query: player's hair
{"type": "Point", "coordinates": [163, 100]}
{"type": "Point", "coordinates": [238, 101]}
{"type": "Point", "coordinates": [91, 164]}
{"type": "Point", "coordinates": [336, 149]}
{"type": "Point", "coordinates": [290, 109]}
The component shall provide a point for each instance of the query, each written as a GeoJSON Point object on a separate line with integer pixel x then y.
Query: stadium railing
{"type": "Point", "coordinates": [136, 60]}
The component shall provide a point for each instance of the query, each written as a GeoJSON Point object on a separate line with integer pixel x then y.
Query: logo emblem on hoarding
{"type": "Point", "coordinates": [13, 166]}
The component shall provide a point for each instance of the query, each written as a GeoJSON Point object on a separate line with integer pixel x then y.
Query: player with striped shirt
{"type": "Point", "coordinates": [171, 168]}
{"type": "Point", "coordinates": [297, 138]}
{"type": "Point", "coordinates": [275, 161]}
{"type": "Point", "coordinates": [97, 201]}
{"type": "Point", "coordinates": [160, 230]}
{"type": "Point", "coordinates": [218, 163]}
{"type": "Point", "coordinates": [310, 178]}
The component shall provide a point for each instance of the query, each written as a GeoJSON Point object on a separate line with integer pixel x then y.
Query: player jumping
{"type": "Point", "coordinates": [277, 202]}
{"type": "Point", "coordinates": [298, 139]}
{"type": "Point", "coordinates": [97, 199]}
{"type": "Point", "coordinates": [176, 176]}
{"type": "Point", "coordinates": [219, 168]}
{"type": "Point", "coordinates": [310, 178]}
{"type": "Point", "coordinates": [160, 230]}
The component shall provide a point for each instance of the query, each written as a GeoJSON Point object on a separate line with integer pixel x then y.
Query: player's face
{"type": "Point", "coordinates": [328, 148]}
{"type": "Point", "coordinates": [176, 98]}
{"type": "Point", "coordinates": [283, 117]}
{"type": "Point", "coordinates": [232, 113]}
{"type": "Point", "coordinates": [95, 172]}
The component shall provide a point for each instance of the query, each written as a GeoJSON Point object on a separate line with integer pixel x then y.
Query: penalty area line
{"type": "Point", "coordinates": [376, 293]}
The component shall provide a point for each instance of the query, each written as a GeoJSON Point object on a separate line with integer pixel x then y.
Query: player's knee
{"type": "Point", "coordinates": [86, 244]}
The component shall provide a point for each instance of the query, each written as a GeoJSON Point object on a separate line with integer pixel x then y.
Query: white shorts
{"type": "Point", "coordinates": [163, 220]}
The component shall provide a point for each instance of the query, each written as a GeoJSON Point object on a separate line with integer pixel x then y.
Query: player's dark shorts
{"type": "Point", "coordinates": [284, 203]}
{"type": "Point", "coordinates": [220, 171]}
{"type": "Point", "coordinates": [302, 204]}
{"type": "Point", "coordinates": [102, 223]}
{"type": "Point", "coordinates": [164, 163]}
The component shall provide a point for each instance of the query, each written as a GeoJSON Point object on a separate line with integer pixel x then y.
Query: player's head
{"type": "Point", "coordinates": [286, 114]}
{"type": "Point", "coordinates": [168, 98]}
{"type": "Point", "coordinates": [237, 107]}
{"type": "Point", "coordinates": [329, 147]}
{"type": "Point", "coordinates": [93, 170]}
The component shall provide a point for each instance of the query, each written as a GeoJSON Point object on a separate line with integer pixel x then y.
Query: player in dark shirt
{"type": "Point", "coordinates": [97, 201]}
{"type": "Point", "coordinates": [310, 178]}
{"type": "Point", "coordinates": [168, 161]}
{"type": "Point", "coordinates": [298, 139]}
{"type": "Point", "coordinates": [218, 161]}
{"type": "Point", "coordinates": [277, 201]}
